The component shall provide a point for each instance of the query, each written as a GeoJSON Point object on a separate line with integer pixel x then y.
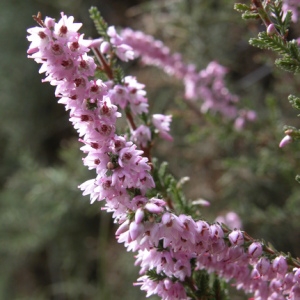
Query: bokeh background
{"type": "Point", "coordinates": [53, 243]}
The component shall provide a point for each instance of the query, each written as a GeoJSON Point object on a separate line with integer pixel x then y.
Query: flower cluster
{"type": "Point", "coordinates": [207, 85]}
{"type": "Point", "coordinates": [171, 248]}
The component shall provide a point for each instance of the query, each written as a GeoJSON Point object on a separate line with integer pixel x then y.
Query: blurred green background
{"type": "Point", "coordinates": [53, 243]}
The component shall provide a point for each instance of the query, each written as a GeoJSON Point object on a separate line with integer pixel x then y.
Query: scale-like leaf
{"type": "Point", "coordinates": [295, 101]}
{"type": "Point", "coordinates": [294, 50]}
{"type": "Point", "coordinates": [100, 24]}
{"type": "Point", "coordinates": [241, 7]}
{"type": "Point", "coordinates": [288, 64]}
{"type": "Point", "coordinates": [250, 15]}
{"type": "Point", "coordinates": [274, 42]}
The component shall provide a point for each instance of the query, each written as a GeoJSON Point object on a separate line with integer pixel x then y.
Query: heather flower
{"type": "Point", "coordinates": [65, 28]}
{"type": "Point", "coordinates": [141, 135]}
{"type": "Point", "coordinates": [105, 47]}
{"type": "Point", "coordinates": [236, 237]}
{"type": "Point", "coordinates": [123, 51]}
{"type": "Point", "coordinates": [297, 275]}
{"type": "Point", "coordinates": [244, 116]}
{"type": "Point", "coordinates": [166, 243]}
{"type": "Point", "coordinates": [162, 125]}
{"type": "Point", "coordinates": [166, 289]}
{"type": "Point", "coordinates": [280, 265]}
{"type": "Point", "coordinates": [286, 140]}
{"type": "Point", "coordinates": [135, 229]}
{"type": "Point", "coordinates": [153, 208]}
{"type": "Point", "coordinates": [295, 292]}
{"type": "Point", "coordinates": [170, 229]}
{"type": "Point", "coordinates": [139, 215]}
{"type": "Point", "coordinates": [207, 85]}
{"type": "Point", "coordinates": [182, 267]}
{"type": "Point", "coordinates": [255, 250]}
{"type": "Point", "coordinates": [263, 266]}
{"type": "Point", "coordinates": [216, 232]}
{"type": "Point", "coordinates": [271, 29]}
{"type": "Point", "coordinates": [231, 219]}
{"type": "Point", "coordinates": [123, 228]}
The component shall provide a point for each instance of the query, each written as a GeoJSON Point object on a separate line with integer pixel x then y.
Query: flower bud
{"type": "Point", "coordinates": [218, 247]}
{"type": "Point", "coordinates": [201, 202]}
{"type": "Point", "coordinates": [280, 265]}
{"type": "Point", "coordinates": [297, 275]}
{"type": "Point", "coordinates": [167, 219]}
{"type": "Point", "coordinates": [104, 47]}
{"type": "Point", "coordinates": [139, 215]}
{"type": "Point", "coordinates": [263, 266]}
{"type": "Point", "coordinates": [216, 232]}
{"type": "Point", "coordinates": [93, 43]}
{"type": "Point", "coordinates": [276, 285]}
{"type": "Point", "coordinates": [123, 227]}
{"type": "Point", "coordinates": [234, 254]}
{"type": "Point", "coordinates": [135, 230]}
{"type": "Point", "coordinates": [255, 250]}
{"type": "Point", "coordinates": [295, 292]}
{"type": "Point", "coordinates": [255, 274]}
{"type": "Point", "coordinates": [236, 237]}
{"type": "Point", "coordinates": [49, 23]}
{"type": "Point", "coordinates": [286, 140]}
{"type": "Point", "coordinates": [271, 29]}
{"type": "Point", "coordinates": [288, 281]}
{"type": "Point", "coordinates": [233, 220]}
{"type": "Point", "coordinates": [153, 208]}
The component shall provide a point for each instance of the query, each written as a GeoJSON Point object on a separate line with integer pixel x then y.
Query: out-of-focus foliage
{"type": "Point", "coordinates": [53, 243]}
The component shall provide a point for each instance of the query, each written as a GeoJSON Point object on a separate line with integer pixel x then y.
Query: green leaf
{"type": "Point", "coordinates": [288, 64]}
{"type": "Point", "coordinates": [250, 15]}
{"type": "Point", "coordinates": [273, 42]}
{"type": "Point", "coordinates": [144, 118]}
{"type": "Point", "coordinates": [282, 23]}
{"type": "Point", "coordinates": [154, 276]}
{"type": "Point", "coordinates": [162, 170]}
{"type": "Point", "coordinates": [241, 7]}
{"type": "Point", "coordinates": [118, 74]}
{"type": "Point", "coordinates": [100, 24]}
{"type": "Point", "coordinates": [294, 50]}
{"type": "Point", "coordinates": [287, 20]}
{"type": "Point", "coordinates": [295, 101]}
{"type": "Point", "coordinates": [256, 42]}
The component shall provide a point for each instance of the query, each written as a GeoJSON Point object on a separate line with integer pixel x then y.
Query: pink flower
{"type": "Point", "coordinates": [123, 51]}
{"type": "Point", "coordinates": [263, 266]}
{"type": "Point", "coordinates": [141, 135]}
{"type": "Point", "coordinates": [286, 140]}
{"type": "Point", "coordinates": [295, 292]}
{"type": "Point", "coordinates": [162, 125]}
{"type": "Point", "coordinates": [166, 243]}
{"type": "Point", "coordinates": [255, 250]}
{"type": "Point", "coordinates": [236, 238]}
{"type": "Point", "coordinates": [231, 219]}
{"type": "Point", "coordinates": [66, 28]}
{"type": "Point", "coordinates": [135, 229]}
{"type": "Point", "coordinates": [139, 215]}
{"type": "Point", "coordinates": [280, 265]}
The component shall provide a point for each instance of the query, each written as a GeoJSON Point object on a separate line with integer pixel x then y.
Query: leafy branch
{"type": "Point", "coordinates": [100, 24]}
{"type": "Point", "coordinates": [275, 39]}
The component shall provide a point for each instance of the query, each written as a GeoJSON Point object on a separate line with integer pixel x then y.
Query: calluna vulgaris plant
{"type": "Point", "coordinates": [180, 255]}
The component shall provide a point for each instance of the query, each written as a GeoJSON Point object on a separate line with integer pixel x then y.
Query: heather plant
{"type": "Point", "coordinates": [181, 255]}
